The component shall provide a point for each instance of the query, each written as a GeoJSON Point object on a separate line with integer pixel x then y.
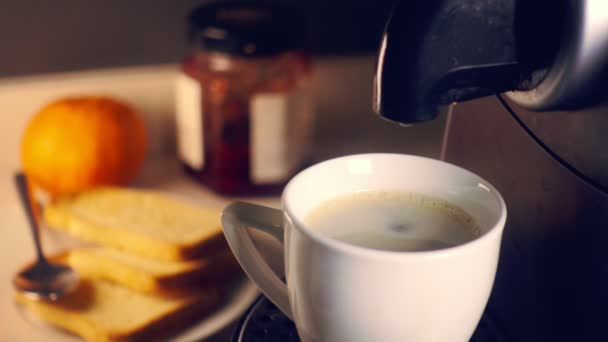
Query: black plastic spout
{"type": "Point", "coordinates": [437, 52]}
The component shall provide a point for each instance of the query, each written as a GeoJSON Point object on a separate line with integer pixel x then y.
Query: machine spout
{"type": "Point", "coordinates": [436, 52]}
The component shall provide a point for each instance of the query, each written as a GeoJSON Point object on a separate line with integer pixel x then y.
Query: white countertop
{"type": "Point", "coordinates": [149, 89]}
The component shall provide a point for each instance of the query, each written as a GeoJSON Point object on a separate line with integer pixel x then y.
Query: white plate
{"type": "Point", "coordinates": [243, 296]}
{"type": "Point", "coordinates": [16, 249]}
{"type": "Point", "coordinates": [233, 306]}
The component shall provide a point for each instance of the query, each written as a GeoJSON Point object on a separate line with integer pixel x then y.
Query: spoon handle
{"type": "Point", "coordinates": [26, 197]}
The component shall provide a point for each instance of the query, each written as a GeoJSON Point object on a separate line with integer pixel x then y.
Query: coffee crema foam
{"type": "Point", "coordinates": [393, 220]}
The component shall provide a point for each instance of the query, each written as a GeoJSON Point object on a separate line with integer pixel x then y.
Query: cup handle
{"type": "Point", "coordinates": [236, 217]}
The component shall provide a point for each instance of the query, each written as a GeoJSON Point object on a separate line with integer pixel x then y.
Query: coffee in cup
{"type": "Point", "coordinates": [393, 221]}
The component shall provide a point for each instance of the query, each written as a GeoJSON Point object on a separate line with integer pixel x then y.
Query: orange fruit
{"type": "Point", "coordinates": [77, 143]}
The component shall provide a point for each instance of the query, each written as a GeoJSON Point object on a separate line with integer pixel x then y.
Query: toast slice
{"type": "Point", "coordinates": [101, 311]}
{"type": "Point", "coordinates": [141, 222]}
{"type": "Point", "coordinates": [152, 276]}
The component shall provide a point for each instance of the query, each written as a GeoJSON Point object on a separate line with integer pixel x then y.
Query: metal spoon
{"type": "Point", "coordinates": [42, 280]}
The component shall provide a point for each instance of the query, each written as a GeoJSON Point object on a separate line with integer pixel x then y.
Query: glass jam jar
{"type": "Point", "coordinates": [243, 112]}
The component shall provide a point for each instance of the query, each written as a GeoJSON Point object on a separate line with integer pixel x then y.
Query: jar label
{"type": "Point", "coordinates": [280, 135]}
{"type": "Point", "coordinates": [189, 121]}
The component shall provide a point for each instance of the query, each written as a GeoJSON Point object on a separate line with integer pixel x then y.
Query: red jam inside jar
{"type": "Point", "coordinates": [244, 117]}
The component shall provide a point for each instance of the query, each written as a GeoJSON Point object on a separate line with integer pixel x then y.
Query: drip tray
{"type": "Point", "coordinates": [264, 322]}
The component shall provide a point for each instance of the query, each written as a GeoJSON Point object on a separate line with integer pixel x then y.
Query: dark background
{"type": "Point", "coordinates": [41, 36]}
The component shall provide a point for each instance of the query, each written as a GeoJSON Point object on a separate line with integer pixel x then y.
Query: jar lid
{"type": "Point", "coordinates": [246, 28]}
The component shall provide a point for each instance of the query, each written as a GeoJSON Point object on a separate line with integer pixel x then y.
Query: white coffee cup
{"type": "Point", "coordinates": [340, 292]}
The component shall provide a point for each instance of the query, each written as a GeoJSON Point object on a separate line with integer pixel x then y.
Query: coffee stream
{"type": "Point", "coordinates": [393, 221]}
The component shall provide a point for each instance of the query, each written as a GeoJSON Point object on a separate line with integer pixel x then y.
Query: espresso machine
{"type": "Point", "coordinates": [526, 84]}
{"type": "Point", "coordinates": [529, 79]}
